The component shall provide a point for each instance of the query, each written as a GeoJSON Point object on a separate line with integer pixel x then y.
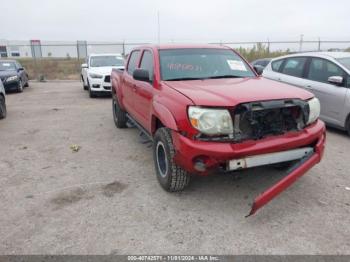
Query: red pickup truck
{"type": "Point", "coordinates": [207, 110]}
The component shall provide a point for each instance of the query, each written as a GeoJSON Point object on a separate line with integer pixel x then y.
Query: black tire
{"type": "Point", "coordinates": [170, 176]}
{"type": "Point", "coordinates": [91, 93]}
{"type": "Point", "coordinates": [27, 84]}
{"type": "Point", "coordinates": [85, 87]}
{"type": "Point", "coordinates": [20, 86]}
{"type": "Point", "coordinates": [3, 111]}
{"type": "Point", "coordinates": [119, 115]}
{"type": "Point", "coordinates": [348, 126]}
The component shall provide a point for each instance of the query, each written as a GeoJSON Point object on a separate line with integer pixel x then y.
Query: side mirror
{"type": "Point", "coordinates": [84, 66]}
{"type": "Point", "coordinates": [141, 75]}
{"type": "Point", "coordinates": [336, 80]}
{"type": "Point", "coordinates": [20, 69]}
{"type": "Point", "coordinates": [258, 69]}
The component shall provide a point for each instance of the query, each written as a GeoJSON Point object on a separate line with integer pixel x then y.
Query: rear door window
{"type": "Point", "coordinates": [294, 66]}
{"type": "Point", "coordinates": [134, 56]}
{"type": "Point", "coordinates": [276, 65]}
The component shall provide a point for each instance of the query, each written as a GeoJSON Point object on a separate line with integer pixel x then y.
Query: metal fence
{"type": "Point", "coordinates": [62, 59]}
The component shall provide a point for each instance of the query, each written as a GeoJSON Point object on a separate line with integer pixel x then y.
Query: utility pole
{"type": "Point", "coordinates": [301, 43]}
{"type": "Point", "coordinates": [319, 44]}
{"type": "Point", "coordinates": [158, 27]}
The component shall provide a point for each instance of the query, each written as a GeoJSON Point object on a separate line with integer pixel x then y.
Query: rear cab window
{"type": "Point", "coordinates": [132, 64]}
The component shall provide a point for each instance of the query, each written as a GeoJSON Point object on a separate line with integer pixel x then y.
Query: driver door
{"type": "Point", "coordinates": [331, 96]}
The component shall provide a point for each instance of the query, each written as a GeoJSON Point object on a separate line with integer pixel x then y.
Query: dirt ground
{"type": "Point", "coordinates": [105, 199]}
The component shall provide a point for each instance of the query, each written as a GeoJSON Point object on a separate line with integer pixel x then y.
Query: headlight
{"type": "Point", "coordinates": [11, 78]}
{"type": "Point", "coordinates": [92, 75]}
{"type": "Point", "coordinates": [210, 121]}
{"type": "Point", "coordinates": [314, 110]}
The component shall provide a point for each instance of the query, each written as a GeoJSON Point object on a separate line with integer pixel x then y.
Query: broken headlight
{"type": "Point", "coordinates": [314, 110]}
{"type": "Point", "coordinates": [210, 121]}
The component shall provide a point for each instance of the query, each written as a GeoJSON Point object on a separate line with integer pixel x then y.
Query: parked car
{"type": "Point", "coordinates": [260, 64]}
{"type": "Point", "coordinates": [13, 75]}
{"type": "Point", "coordinates": [206, 110]}
{"type": "Point", "coordinates": [2, 101]}
{"type": "Point", "coordinates": [325, 74]}
{"type": "Point", "coordinates": [96, 73]}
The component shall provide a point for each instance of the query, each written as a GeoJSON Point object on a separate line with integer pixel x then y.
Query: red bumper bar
{"type": "Point", "coordinates": [295, 172]}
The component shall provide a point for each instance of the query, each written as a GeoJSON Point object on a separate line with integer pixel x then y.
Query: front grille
{"type": "Point", "coordinates": [256, 120]}
{"type": "Point", "coordinates": [260, 119]}
{"type": "Point", "coordinates": [107, 79]}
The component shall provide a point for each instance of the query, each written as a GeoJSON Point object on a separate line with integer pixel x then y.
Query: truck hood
{"type": "Point", "coordinates": [104, 70]}
{"type": "Point", "coordinates": [233, 91]}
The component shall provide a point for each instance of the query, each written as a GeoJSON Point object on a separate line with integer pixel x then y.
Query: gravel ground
{"type": "Point", "coordinates": [105, 199]}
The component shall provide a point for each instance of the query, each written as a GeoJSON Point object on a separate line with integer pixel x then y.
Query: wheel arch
{"type": "Point", "coordinates": [162, 117]}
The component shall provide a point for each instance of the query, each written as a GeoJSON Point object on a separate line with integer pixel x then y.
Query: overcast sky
{"type": "Point", "coordinates": [180, 20]}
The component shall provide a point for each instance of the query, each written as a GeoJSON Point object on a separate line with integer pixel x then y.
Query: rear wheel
{"type": "Point", "coordinates": [170, 176]}
{"type": "Point", "coordinates": [2, 107]}
{"type": "Point", "coordinates": [119, 115]}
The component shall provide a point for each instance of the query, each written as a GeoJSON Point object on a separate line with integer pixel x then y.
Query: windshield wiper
{"type": "Point", "coordinates": [223, 76]}
{"type": "Point", "coordinates": [184, 78]}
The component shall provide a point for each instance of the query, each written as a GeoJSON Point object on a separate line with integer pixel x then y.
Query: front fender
{"type": "Point", "coordinates": [164, 115]}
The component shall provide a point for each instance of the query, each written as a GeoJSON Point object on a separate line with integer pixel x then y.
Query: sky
{"type": "Point", "coordinates": [180, 20]}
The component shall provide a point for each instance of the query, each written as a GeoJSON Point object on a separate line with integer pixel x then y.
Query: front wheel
{"type": "Point", "coordinates": [20, 87]}
{"type": "Point", "coordinates": [85, 87]}
{"type": "Point", "coordinates": [170, 176]}
{"type": "Point", "coordinates": [2, 107]}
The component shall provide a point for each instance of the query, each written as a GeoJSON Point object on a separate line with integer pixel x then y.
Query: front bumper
{"type": "Point", "coordinates": [100, 84]}
{"type": "Point", "coordinates": [217, 154]}
{"type": "Point", "coordinates": [12, 85]}
{"type": "Point", "coordinates": [214, 155]}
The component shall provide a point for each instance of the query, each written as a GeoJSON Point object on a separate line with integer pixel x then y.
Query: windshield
{"type": "Point", "coordinates": [345, 61]}
{"type": "Point", "coordinates": [99, 61]}
{"type": "Point", "coordinates": [7, 66]}
{"type": "Point", "coordinates": [202, 63]}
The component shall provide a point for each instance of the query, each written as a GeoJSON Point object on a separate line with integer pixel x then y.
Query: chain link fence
{"type": "Point", "coordinates": [63, 59]}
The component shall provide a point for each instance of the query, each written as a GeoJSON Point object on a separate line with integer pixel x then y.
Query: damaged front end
{"type": "Point", "coordinates": [256, 120]}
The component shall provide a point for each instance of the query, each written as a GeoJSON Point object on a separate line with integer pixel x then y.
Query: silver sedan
{"type": "Point", "coordinates": [326, 74]}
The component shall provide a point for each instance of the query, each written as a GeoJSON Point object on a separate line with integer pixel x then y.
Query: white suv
{"type": "Point", "coordinates": [96, 73]}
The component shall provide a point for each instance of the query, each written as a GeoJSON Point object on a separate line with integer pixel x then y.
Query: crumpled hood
{"type": "Point", "coordinates": [233, 91]}
{"type": "Point", "coordinates": [104, 70]}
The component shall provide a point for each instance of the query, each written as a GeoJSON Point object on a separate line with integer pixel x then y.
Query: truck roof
{"type": "Point", "coordinates": [182, 46]}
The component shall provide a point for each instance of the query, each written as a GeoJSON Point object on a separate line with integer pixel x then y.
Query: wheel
{"type": "Point", "coordinates": [91, 93]}
{"type": "Point", "coordinates": [20, 86]}
{"type": "Point", "coordinates": [27, 84]}
{"type": "Point", "coordinates": [85, 87]}
{"type": "Point", "coordinates": [170, 176]}
{"type": "Point", "coordinates": [119, 115]}
{"type": "Point", "coordinates": [2, 107]}
{"type": "Point", "coordinates": [348, 126]}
